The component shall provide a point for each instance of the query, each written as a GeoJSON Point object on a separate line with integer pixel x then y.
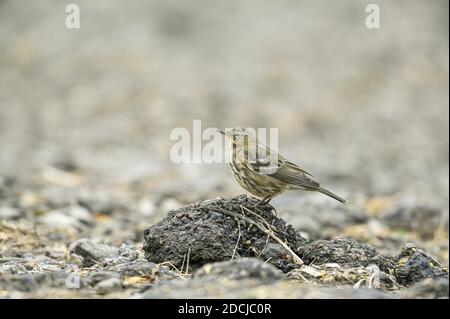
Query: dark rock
{"type": "Point", "coordinates": [108, 286]}
{"type": "Point", "coordinates": [345, 252]}
{"type": "Point", "coordinates": [203, 233]}
{"type": "Point", "coordinates": [65, 163]}
{"type": "Point", "coordinates": [410, 266]}
{"type": "Point", "coordinates": [414, 265]}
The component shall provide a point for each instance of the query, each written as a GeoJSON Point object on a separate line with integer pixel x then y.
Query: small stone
{"type": "Point", "coordinates": [129, 251]}
{"type": "Point", "coordinates": [92, 252]}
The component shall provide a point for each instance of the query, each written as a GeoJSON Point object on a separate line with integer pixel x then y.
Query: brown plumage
{"type": "Point", "coordinates": [268, 175]}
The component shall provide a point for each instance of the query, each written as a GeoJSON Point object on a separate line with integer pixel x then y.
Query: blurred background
{"type": "Point", "coordinates": [86, 114]}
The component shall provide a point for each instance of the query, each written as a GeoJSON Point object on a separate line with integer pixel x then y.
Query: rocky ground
{"type": "Point", "coordinates": [216, 248]}
{"type": "Point", "coordinates": [92, 206]}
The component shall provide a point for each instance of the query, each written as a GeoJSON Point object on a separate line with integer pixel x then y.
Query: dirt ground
{"type": "Point", "coordinates": [91, 205]}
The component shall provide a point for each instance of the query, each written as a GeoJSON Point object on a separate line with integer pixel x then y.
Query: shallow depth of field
{"type": "Point", "coordinates": [85, 120]}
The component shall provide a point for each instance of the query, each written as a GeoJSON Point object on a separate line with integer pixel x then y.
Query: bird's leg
{"type": "Point", "coordinates": [267, 200]}
{"type": "Point", "coordinates": [264, 200]}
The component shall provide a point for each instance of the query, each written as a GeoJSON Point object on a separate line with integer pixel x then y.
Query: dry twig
{"type": "Point", "coordinates": [265, 230]}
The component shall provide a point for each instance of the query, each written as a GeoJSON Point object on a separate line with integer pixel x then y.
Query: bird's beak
{"type": "Point", "coordinates": [221, 131]}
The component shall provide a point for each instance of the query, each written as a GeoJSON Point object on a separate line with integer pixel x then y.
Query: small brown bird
{"type": "Point", "coordinates": [265, 173]}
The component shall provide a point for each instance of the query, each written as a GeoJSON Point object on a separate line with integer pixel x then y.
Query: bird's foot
{"type": "Point", "coordinates": [265, 201]}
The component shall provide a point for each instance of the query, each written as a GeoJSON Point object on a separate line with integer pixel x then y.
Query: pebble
{"type": "Point", "coordinates": [92, 252]}
{"type": "Point", "coordinates": [129, 251]}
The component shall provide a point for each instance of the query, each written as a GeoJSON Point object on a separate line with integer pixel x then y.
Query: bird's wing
{"type": "Point", "coordinates": [292, 174]}
{"type": "Point", "coordinates": [276, 166]}
{"type": "Point", "coordinates": [259, 158]}
{"type": "Point", "coordinates": [274, 157]}
{"type": "Point", "coordinates": [298, 168]}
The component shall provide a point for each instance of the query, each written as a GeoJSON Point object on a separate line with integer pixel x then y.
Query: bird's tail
{"type": "Point", "coordinates": [328, 193]}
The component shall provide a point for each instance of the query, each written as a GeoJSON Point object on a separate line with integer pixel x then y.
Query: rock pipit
{"type": "Point", "coordinates": [265, 173]}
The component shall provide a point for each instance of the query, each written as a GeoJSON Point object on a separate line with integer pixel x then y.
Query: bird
{"type": "Point", "coordinates": [263, 172]}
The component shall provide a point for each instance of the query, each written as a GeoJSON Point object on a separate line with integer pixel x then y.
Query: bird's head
{"type": "Point", "coordinates": [236, 133]}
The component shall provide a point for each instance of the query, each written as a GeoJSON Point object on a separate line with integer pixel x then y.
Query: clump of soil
{"type": "Point", "coordinates": [414, 265]}
{"type": "Point", "coordinates": [352, 262]}
{"type": "Point", "coordinates": [228, 228]}
{"type": "Point", "coordinates": [219, 230]}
